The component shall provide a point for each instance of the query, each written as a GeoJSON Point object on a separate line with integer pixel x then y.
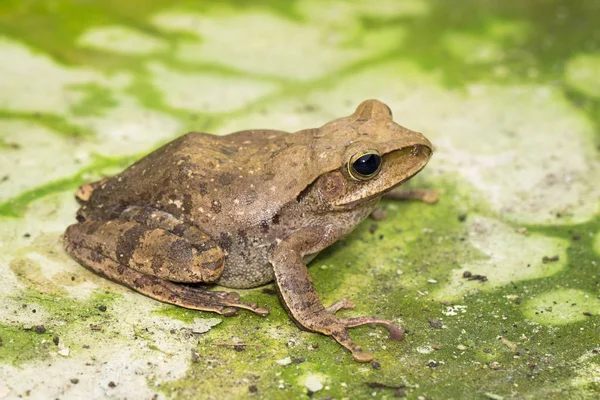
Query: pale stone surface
{"type": "Point", "coordinates": [501, 264]}
{"type": "Point", "coordinates": [295, 50]}
{"type": "Point", "coordinates": [562, 306]}
{"type": "Point", "coordinates": [129, 128]}
{"type": "Point", "coordinates": [29, 156]}
{"type": "Point", "coordinates": [45, 86]}
{"type": "Point", "coordinates": [313, 382]}
{"type": "Point", "coordinates": [207, 93]}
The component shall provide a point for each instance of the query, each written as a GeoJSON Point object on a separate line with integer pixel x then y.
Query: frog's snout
{"type": "Point", "coordinates": [421, 151]}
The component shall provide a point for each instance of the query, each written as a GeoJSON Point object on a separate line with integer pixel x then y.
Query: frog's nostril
{"type": "Point", "coordinates": [419, 150]}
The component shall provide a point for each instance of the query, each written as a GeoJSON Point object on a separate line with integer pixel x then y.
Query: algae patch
{"type": "Point", "coordinates": [19, 345]}
{"type": "Point", "coordinates": [581, 73]}
{"type": "Point", "coordinates": [121, 39]}
{"type": "Point", "coordinates": [29, 273]}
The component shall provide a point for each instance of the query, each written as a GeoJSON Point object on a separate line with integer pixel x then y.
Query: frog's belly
{"type": "Point", "coordinates": [246, 269]}
{"type": "Point", "coordinates": [244, 273]}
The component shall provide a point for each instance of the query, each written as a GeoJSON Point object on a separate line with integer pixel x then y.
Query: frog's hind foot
{"type": "Point", "coordinates": [84, 192]}
{"type": "Point", "coordinates": [224, 303]}
{"type": "Point", "coordinates": [231, 300]}
{"type": "Point", "coordinates": [340, 334]}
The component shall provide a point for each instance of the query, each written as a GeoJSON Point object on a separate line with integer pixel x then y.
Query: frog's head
{"type": "Point", "coordinates": [373, 153]}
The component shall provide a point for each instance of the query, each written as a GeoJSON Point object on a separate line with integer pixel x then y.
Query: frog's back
{"type": "Point", "coordinates": [204, 179]}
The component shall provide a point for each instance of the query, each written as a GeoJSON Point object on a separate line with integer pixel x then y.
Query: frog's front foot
{"type": "Point", "coordinates": [338, 329]}
{"type": "Point", "coordinates": [342, 304]}
{"type": "Point", "coordinates": [301, 299]}
{"type": "Point", "coordinates": [429, 196]}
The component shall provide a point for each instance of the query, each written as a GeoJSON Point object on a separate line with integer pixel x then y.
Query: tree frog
{"type": "Point", "coordinates": [244, 209]}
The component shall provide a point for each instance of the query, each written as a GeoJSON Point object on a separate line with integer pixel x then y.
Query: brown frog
{"type": "Point", "coordinates": [245, 209]}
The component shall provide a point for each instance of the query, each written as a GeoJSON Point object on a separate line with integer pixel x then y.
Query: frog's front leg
{"type": "Point", "coordinates": [302, 301]}
{"type": "Point", "coordinates": [429, 196]}
{"type": "Point", "coordinates": [149, 250]}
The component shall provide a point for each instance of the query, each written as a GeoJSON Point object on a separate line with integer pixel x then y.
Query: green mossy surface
{"type": "Point", "coordinates": [507, 92]}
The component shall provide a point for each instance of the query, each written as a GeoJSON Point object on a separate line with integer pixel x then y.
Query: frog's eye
{"type": "Point", "coordinates": [365, 165]}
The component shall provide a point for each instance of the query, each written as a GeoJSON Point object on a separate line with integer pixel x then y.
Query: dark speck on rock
{"type": "Point", "coordinates": [40, 329]}
{"type": "Point", "coordinates": [376, 365]}
{"type": "Point", "coordinates": [102, 308]}
{"type": "Point", "coordinates": [74, 381]}
{"type": "Point", "coordinates": [196, 357]}
{"type": "Point", "coordinates": [432, 364]}
{"type": "Point", "coordinates": [111, 384]}
{"type": "Point", "coordinates": [27, 235]}
{"type": "Point", "coordinates": [373, 228]}
{"type": "Point", "coordinates": [309, 108]}
{"type": "Point", "coordinates": [547, 259]}
{"type": "Point", "coordinates": [435, 323]}
{"type": "Point", "coordinates": [55, 340]}
{"type": "Point", "coordinates": [252, 389]}
{"type": "Point", "coordinates": [474, 277]}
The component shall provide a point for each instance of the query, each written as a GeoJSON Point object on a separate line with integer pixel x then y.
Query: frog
{"type": "Point", "coordinates": [245, 209]}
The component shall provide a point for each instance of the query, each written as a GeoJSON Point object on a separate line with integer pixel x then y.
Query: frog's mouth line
{"type": "Point", "coordinates": [364, 200]}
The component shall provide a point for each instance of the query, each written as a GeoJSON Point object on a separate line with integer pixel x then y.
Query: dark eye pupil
{"type": "Point", "coordinates": [367, 164]}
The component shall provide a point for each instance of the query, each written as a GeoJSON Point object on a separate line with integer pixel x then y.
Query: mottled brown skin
{"type": "Point", "coordinates": [242, 210]}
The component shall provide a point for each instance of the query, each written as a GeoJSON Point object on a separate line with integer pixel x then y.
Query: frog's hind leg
{"type": "Point", "coordinates": [150, 259]}
{"type": "Point", "coordinates": [84, 192]}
